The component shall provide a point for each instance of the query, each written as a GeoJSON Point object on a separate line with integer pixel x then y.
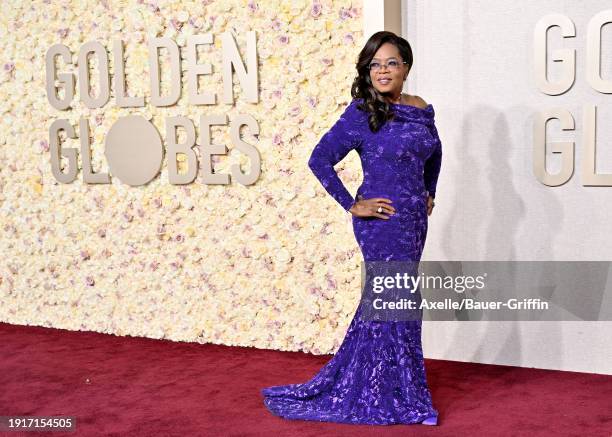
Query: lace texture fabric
{"type": "Point", "coordinates": [377, 376]}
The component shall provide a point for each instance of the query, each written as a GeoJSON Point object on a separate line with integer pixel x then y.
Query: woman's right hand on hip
{"type": "Point", "coordinates": [375, 207]}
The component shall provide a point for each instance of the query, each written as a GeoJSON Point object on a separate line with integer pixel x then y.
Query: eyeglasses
{"type": "Point", "coordinates": [392, 65]}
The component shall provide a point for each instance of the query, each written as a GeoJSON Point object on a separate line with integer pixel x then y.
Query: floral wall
{"type": "Point", "coordinates": [268, 265]}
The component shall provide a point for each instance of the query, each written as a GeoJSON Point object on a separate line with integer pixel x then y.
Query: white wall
{"type": "Point", "coordinates": [474, 63]}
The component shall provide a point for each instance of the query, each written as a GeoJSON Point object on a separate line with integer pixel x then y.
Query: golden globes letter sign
{"type": "Point", "coordinates": [133, 145]}
{"type": "Point", "coordinates": [567, 59]}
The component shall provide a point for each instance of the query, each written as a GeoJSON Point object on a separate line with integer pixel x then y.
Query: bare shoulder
{"type": "Point", "coordinates": [418, 101]}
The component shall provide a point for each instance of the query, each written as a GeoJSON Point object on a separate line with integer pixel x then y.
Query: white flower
{"type": "Point", "coordinates": [182, 16]}
{"type": "Point", "coordinates": [283, 256]}
{"type": "Point", "coordinates": [117, 24]}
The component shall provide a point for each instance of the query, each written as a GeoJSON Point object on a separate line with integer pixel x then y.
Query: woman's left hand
{"type": "Point", "coordinates": [430, 204]}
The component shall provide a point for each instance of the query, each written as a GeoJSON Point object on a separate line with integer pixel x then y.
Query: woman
{"type": "Point", "coordinates": [377, 376]}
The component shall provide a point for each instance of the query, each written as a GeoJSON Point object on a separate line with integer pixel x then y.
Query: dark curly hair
{"type": "Point", "coordinates": [373, 101]}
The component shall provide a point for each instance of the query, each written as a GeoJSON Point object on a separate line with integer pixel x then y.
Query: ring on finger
{"type": "Point", "coordinates": [379, 210]}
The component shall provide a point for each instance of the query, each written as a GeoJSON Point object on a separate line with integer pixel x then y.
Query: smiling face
{"type": "Point", "coordinates": [387, 80]}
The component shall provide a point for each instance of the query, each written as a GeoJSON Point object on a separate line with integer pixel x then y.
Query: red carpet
{"type": "Point", "coordinates": [146, 387]}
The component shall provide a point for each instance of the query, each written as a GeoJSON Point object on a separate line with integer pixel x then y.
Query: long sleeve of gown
{"type": "Point", "coordinates": [333, 146]}
{"type": "Point", "coordinates": [433, 164]}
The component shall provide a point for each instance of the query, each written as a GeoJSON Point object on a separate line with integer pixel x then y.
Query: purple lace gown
{"type": "Point", "coordinates": [377, 376]}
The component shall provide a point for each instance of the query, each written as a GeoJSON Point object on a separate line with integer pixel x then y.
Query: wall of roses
{"type": "Point", "coordinates": [270, 265]}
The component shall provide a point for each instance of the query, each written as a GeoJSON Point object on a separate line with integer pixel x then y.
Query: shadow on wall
{"type": "Point", "coordinates": [481, 205]}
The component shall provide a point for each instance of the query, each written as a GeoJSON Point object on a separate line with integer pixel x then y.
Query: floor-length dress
{"type": "Point", "coordinates": [377, 376]}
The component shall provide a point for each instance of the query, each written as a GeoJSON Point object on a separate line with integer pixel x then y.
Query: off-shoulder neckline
{"type": "Point", "coordinates": [428, 107]}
